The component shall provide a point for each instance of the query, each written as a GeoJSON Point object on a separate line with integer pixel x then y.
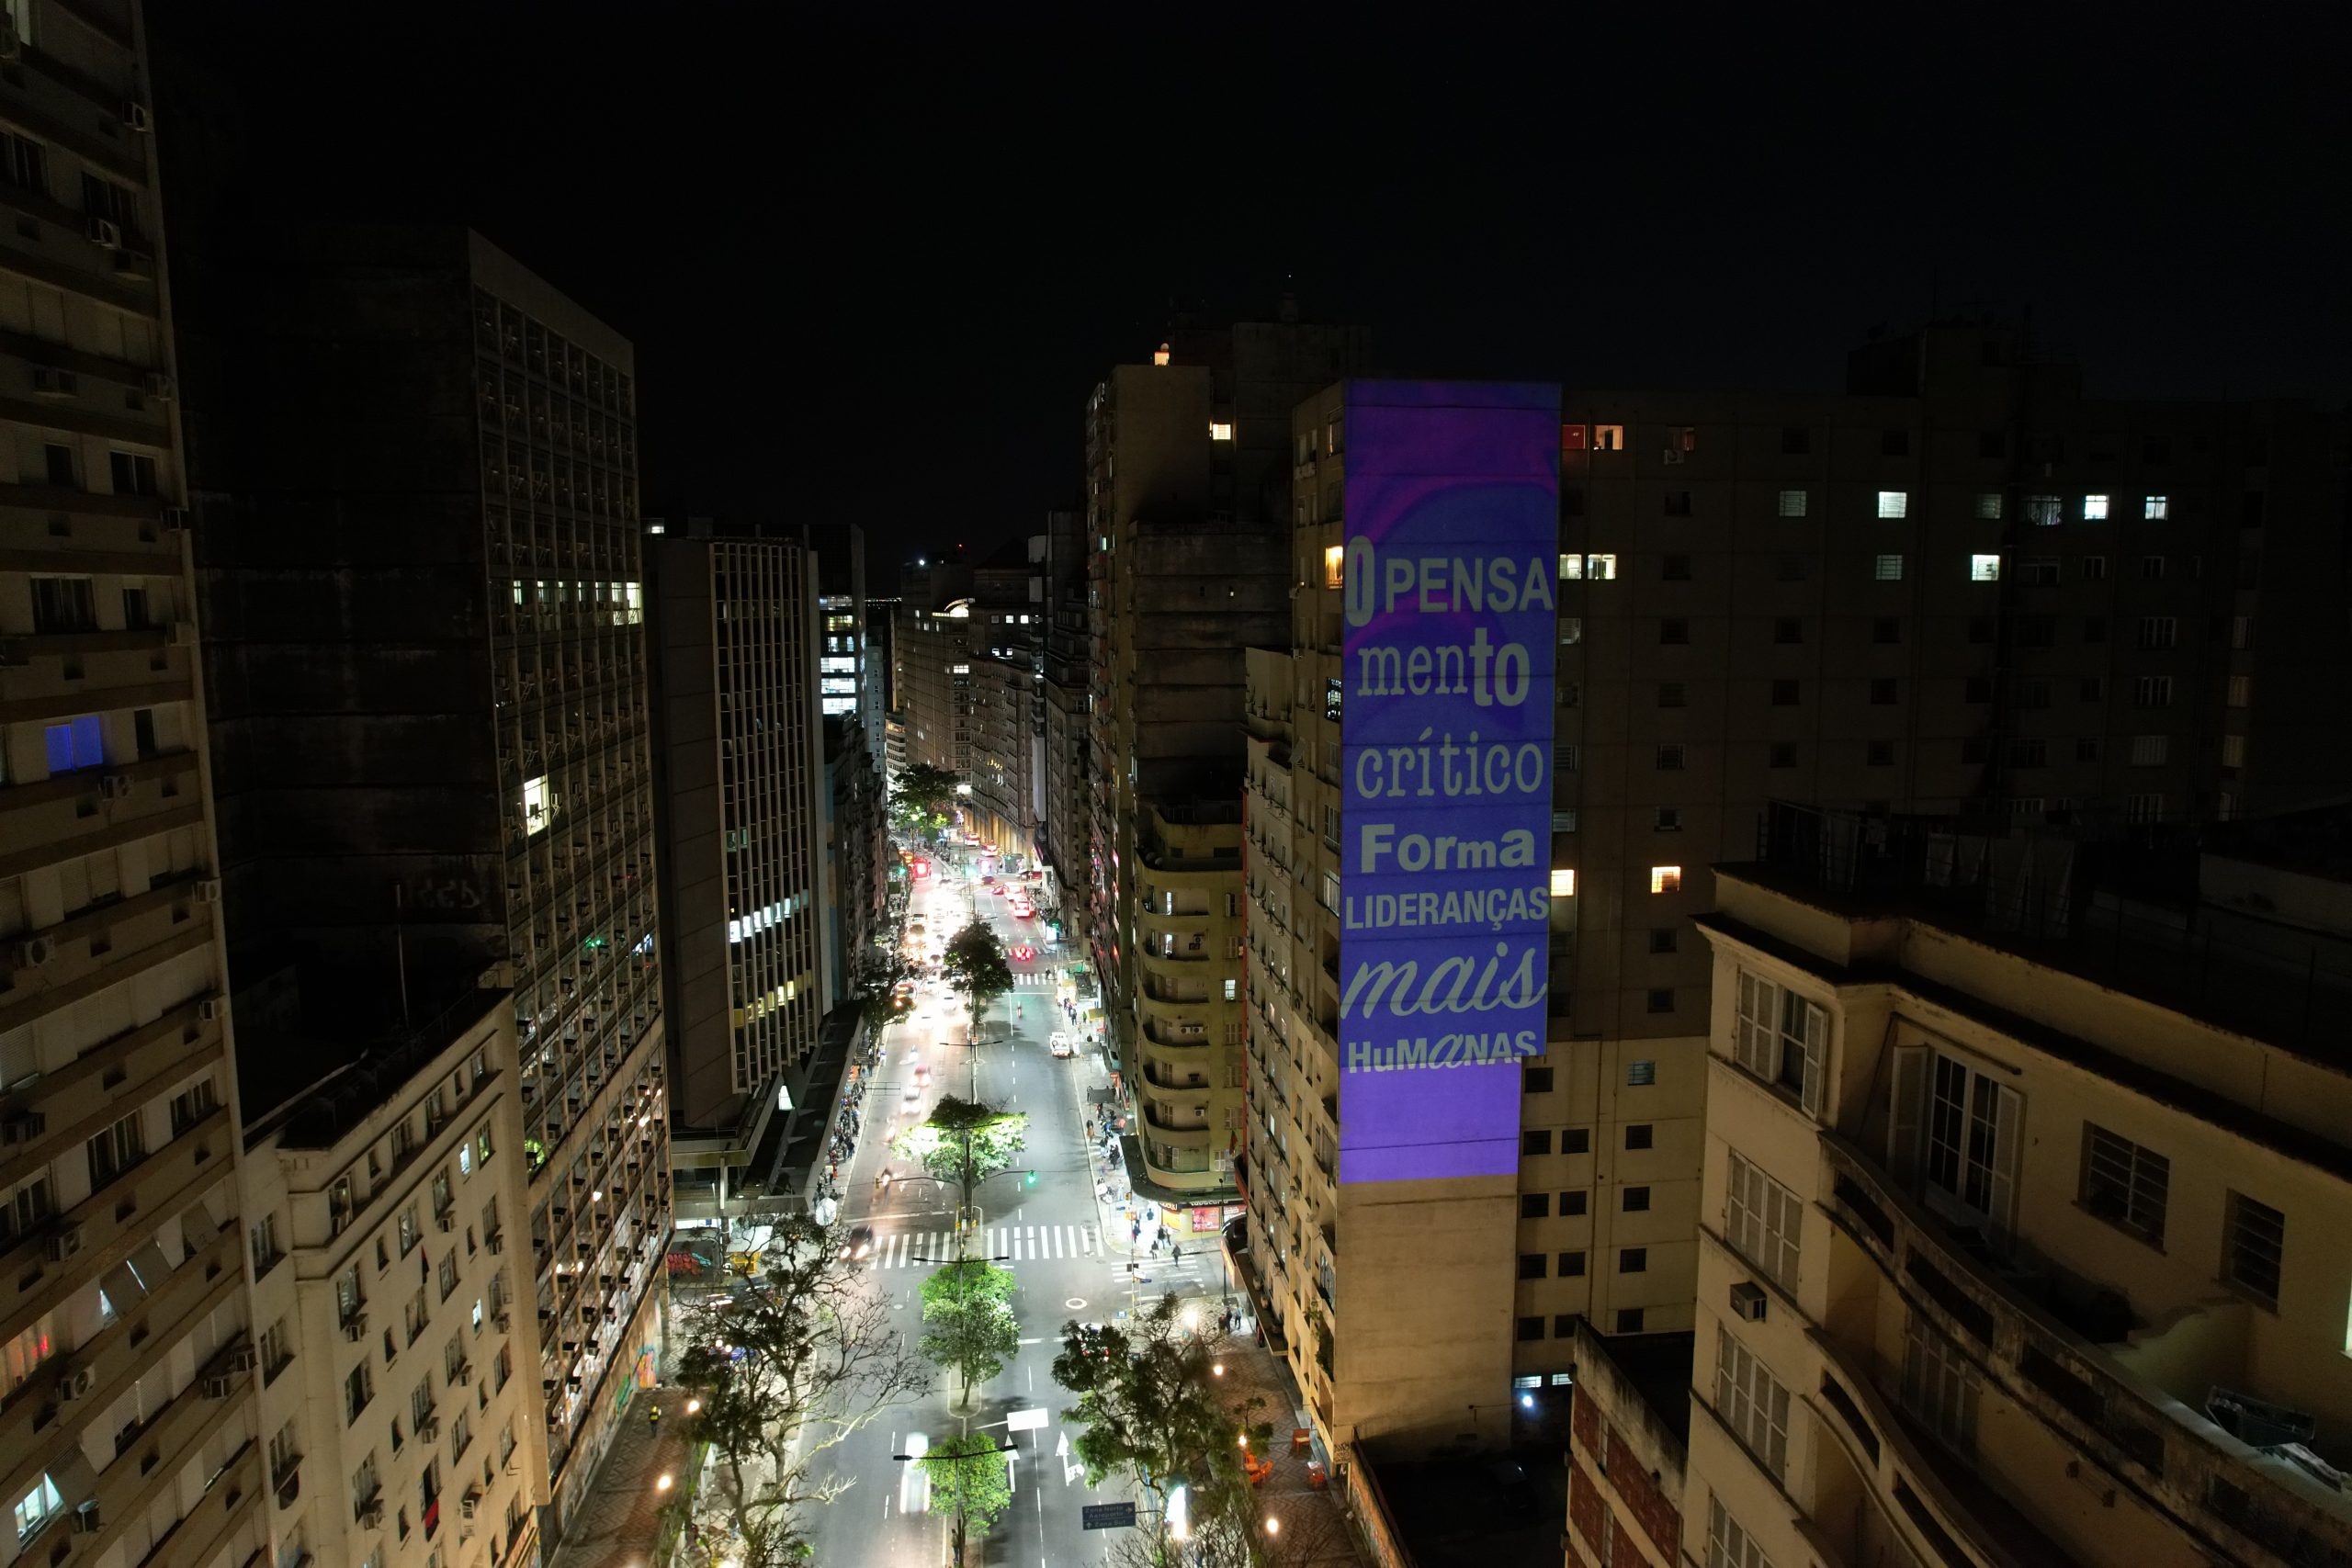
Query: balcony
{"type": "Point", "coordinates": [2033, 1327]}
{"type": "Point", "coordinates": [1192, 1131]}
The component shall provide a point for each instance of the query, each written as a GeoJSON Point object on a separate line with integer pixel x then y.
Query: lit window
{"type": "Point", "coordinates": [1571, 569]}
{"type": "Point", "coordinates": [1665, 879]}
{"type": "Point", "coordinates": [538, 805]}
{"type": "Point", "coordinates": [2241, 691]}
{"type": "Point", "coordinates": [35, 1506]}
{"type": "Point", "coordinates": [1984, 569]}
{"type": "Point", "coordinates": [2150, 750]}
{"type": "Point", "coordinates": [1888, 568]}
{"type": "Point", "coordinates": [2234, 750]}
{"type": "Point", "coordinates": [2094, 509]}
{"type": "Point", "coordinates": [1158, 356]}
{"type": "Point", "coordinates": [1232, 990]}
{"type": "Point", "coordinates": [1221, 430]}
{"type": "Point", "coordinates": [1894, 503]}
{"type": "Point", "coordinates": [2156, 508]}
{"type": "Point", "coordinates": [1609, 438]}
{"type": "Point", "coordinates": [1601, 569]}
{"type": "Point", "coordinates": [1792, 503]}
{"type": "Point", "coordinates": [1988, 505]}
{"type": "Point", "coordinates": [1564, 882]}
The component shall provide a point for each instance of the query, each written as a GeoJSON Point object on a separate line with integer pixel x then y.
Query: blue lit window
{"type": "Point", "coordinates": [74, 744]}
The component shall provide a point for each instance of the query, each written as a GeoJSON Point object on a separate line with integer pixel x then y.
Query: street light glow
{"type": "Point", "coordinates": [1273, 1524]}
{"type": "Point", "coordinates": [663, 1483]}
{"type": "Point", "coordinates": [694, 1406]}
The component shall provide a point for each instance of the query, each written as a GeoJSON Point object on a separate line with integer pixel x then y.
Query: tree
{"type": "Point", "coordinates": [963, 1143]}
{"type": "Point", "coordinates": [967, 1475]}
{"type": "Point", "coordinates": [968, 1306]}
{"type": "Point", "coordinates": [786, 1367]}
{"type": "Point", "coordinates": [1151, 1406]}
{"type": "Point", "coordinates": [878, 1006]}
{"type": "Point", "coordinates": [922, 797]}
{"type": "Point", "coordinates": [977, 969]}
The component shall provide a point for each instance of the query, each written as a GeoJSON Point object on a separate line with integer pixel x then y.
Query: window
{"type": "Point", "coordinates": [1751, 1403]}
{"type": "Point", "coordinates": [1894, 444]}
{"type": "Point", "coordinates": [1601, 569]}
{"type": "Point", "coordinates": [132, 473]}
{"type": "Point", "coordinates": [2094, 509]}
{"type": "Point", "coordinates": [2093, 568]}
{"type": "Point", "coordinates": [1634, 1261]}
{"type": "Point", "coordinates": [1671, 694]}
{"type": "Point", "coordinates": [1762, 1220]}
{"type": "Point", "coordinates": [2043, 510]}
{"type": "Point", "coordinates": [1576, 1140]}
{"type": "Point", "coordinates": [1629, 1321]}
{"type": "Point", "coordinates": [1232, 990]}
{"type": "Point", "coordinates": [1335, 566]}
{"type": "Point", "coordinates": [1675, 568]}
{"type": "Point", "coordinates": [1884, 691]}
{"type": "Point", "coordinates": [1640, 1135]}
{"type": "Point", "coordinates": [1795, 440]}
{"type": "Point", "coordinates": [1678, 503]}
{"type": "Point", "coordinates": [1660, 1001]}
{"type": "Point", "coordinates": [1571, 630]}
{"type": "Point", "coordinates": [1729, 1544]}
{"type": "Point", "coordinates": [115, 1150]}
{"type": "Point", "coordinates": [1609, 438]}
{"type": "Point", "coordinates": [1669, 758]}
{"type": "Point", "coordinates": [1789, 569]}
{"type": "Point", "coordinates": [34, 1509]}
{"type": "Point", "coordinates": [1794, 502]}
{"type": "Point", "coordinates": [1667, 820]}
{"type": "Point", "coordinates": [1531, 1265]}
{"type": "Point", "coordinates": [1564, 882]}
{"type": "Point", "coordinates": [2159, 631]}
{"type": "Point", "coordinates": [1330, 892]}
{"type": "Point", "coordinates": [1662, 939]}
{"type": "Point", "coordinates": [2234, 750]}
{"type": "Point", "coordinates": [1785, 693]}
{"type": "Point", "coordinates": [2144, 807]}
{"type": "Point", "coordinates": [2253, 1240]}
{"type": "Point", "coordinates": [1781, 1038]}
{"type": "Point", "coordinates": [59, 466]}
{"type": "Point", "coordinates": [1984, 569]}
{"type": "Point", "coordinates": [1958, 1132]}
{"type": "Point", "coordinates": [1573, 1203]}
{"type": "Point", "coordinates": [2150, 750]}
{"type": "Point", "coordinates": [1672, 633]}
{"type": "Point", "coordinates": [1534, 1205]}
{"type": "Point", "coordinates": [1894, 503]}
{"type": "Point", "coordinates": [2041, 571]}
{"type": "Point", "coordinates": [1665, 879]}
{"type": "Point", "coordinates": [1571, 1264]}
{"type": "Point", "coordinates": [1879, 754]}
{"type": "Point", "coordinates": [24, 163]}
{"type": "Point", "coordinates": [1641, 1075]}
{"type": "Point", "coordinates": [64, 604]}
{"type": "Point", "coordinates": [1219, 430]}
{"type": "Point", "coordinates": [358, 1390]}
{"type": "Point", "coordinates": [2241, 691]}
{"type": "Point", "coordinates": [2151, 691]}
{"type": "Point", "coordinates": [1536, 1081]}
{"type": "Point", "coordinates": [1634, 1199]}
{"type": "Point", "coordinates": [1887, 569]}
{"type": "Point", "coordinates": [1788, 630]}
{"type": "Point", "coordinates": [1531, 1328]}
{"type": "Point", "coordinates": [1938, 1387]}
{"type": "Point", "coordinates": [448, 1273]}
{"type": "Point", "coordinates": [2124, 1184]}
{"type": "Point", "coordinates": [2152, 568]}
{"type": "Point", "coordinates": [1988, 506]}
{"type": "Point", "coordinates": [1536, 1142]}
{"type": "Point", "coordinates": [2156, 508]}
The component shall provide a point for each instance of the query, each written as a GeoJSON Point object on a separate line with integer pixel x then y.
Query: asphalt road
{"type": "Point", "coordinates": [1046, 1235]}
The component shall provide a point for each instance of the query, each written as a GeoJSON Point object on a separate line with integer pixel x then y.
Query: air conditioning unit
{"type": "Point", "coordinates": [1748, 1301]}
{"type": "Point", "coordinates": [105, 232]}
{"type": "Point", "coordinates": [445, 1222]}
{"type": "Point", "coordinates": [114, 786]}
{"type": "Point", "coordinates": [429, 1429]}
{"type": "Point", "coordinates": [209, 890]}
{"type": "Point", "coordinates": [135, 114]}
{"type": "Point", "coordinates": [212, 1009]}
{"type": "Point", "coordinates": [183, 634]}
{"type": "Point", "coordinates": [64, 1242]}
{"type": "Point", "coordinates": [23, 1127]}
{"type": "Point", "coordinates": [469, 1502]}
{"type": "Point", "coordinates": [496, 1242]}
{"type": "Point", "coordinates": [504, 1323]}
{"type": "Point", "coordinates": [243, 1358]}
{"type": "Point", "coordinates": [160, 385]}
{"type": "Point", "coordinates": [371, 1513]}
{"type": "Point", "coordinates": [465, 1373]}
{"type": "Point", "coordinates": [218, 1388]}
{"type": "Point", "coordinates": [85, 1518]}
{"type": "Point", "coordinates": [74, 1385]}
{"type": "Point", "coordinates": [35, 952]}
{"type": "Point", "coordinates": [354, 1328]}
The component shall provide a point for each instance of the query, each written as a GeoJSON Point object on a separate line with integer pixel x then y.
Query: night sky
{"type": "Point", "coordinates": [873, 261]}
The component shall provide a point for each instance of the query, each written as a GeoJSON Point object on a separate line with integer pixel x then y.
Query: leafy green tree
{"type": "Point", "coordinates": [968, 1306]}
{"type": "Point", "coordinates": [968, 1482]}
{"type": "Point", "coordinates": [786, 1367]}
{"type": "Point", "coordinates": [962, 1143]}
{"type": "Point", "coordinates": [878, 1004]}
{"type": "Point", "coordinates": [922, 798]}
{"type": "Point", "coordinates": [977, 969]}
{"type": "Point", "coordinates": [1151, 1406]}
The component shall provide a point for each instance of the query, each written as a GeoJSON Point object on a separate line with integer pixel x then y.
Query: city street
{"type": "Point", "coordinates": [1048, 1235]}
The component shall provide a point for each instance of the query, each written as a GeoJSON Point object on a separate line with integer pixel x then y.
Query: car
{"type": "Point", "coordinates": [988, 879]}
{"type": "Point", "coordinates": [922, 1076]}
{"type": "Point", "coordinates": [859, 1243]}
{"type": "Point", "coordinates": [1061, 1044]}
{"type": "Point", "coordinates": [912, 1092]}
{"type": "Point", "coordinates": [996, 887]}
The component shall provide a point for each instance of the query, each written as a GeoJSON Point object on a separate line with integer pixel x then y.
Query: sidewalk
{"type": "Point", "coordinates": [618, 1523]}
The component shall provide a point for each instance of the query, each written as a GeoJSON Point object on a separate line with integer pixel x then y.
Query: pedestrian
{"type": "Point", "coordinates": [1134, 1232]}
{"type": "Point", "coordinates": [1176, 1254]}
{"type": "Point", "coordinates": [654, 1419]}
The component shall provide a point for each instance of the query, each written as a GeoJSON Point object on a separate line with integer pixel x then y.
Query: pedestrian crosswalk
{"type": "Point", "coordinates": [1033, 981]}
{"type": "Point", "coordinates": [1019, 1244]}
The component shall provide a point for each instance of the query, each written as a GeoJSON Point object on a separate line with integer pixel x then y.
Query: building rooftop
{"type": "Point", "coordinates": [1474, 1510]}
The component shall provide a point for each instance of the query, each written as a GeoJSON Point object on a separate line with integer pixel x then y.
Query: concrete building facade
{"type": "Point", "coordinates": [745, 863]}
{"type": "Point", "coordinates": [395, 1344]}
{"type": "Point", "coordinates": [2019, 1237]}
{"type": "Point", "coordinates": [427, 662]}
{"type": "Point", "coordinates": [127, 1424]}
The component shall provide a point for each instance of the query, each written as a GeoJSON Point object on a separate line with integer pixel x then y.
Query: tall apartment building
{"type": "Point", "coordinates": [1961, 586]}
{"type": "Point", "coordinates": [1012, 594]}
{"type": "Point", "coordinates": [743, 785]}
{"type": "Point", "coordinates": [128, 1422]}
{"type": "Point", "coordinates": [1066, 825]}
{"type": "Point", "coordinates": [933, 650]}
{"type": "Point", "coordinates": [395, 1354]}
{"type": "Point", "coordinates": [1188, 568]}
{"type": "Point", "coordinates": [415, 477]}
{"type": "Point", "coordinates": [2024, 1188]}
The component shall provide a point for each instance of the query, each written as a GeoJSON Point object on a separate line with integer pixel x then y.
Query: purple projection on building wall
{"type": "Point", "coordinates": [1453, 518]}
